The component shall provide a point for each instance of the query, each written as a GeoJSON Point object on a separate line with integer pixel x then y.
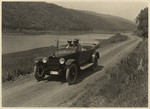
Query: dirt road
{"type": "Point", "coordinates": [55, 92]}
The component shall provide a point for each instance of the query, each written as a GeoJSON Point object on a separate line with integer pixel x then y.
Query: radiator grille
{"type": "Point", "coordinates": [54, 64]}
{"type": "Point", "coordinates": [53, 61]}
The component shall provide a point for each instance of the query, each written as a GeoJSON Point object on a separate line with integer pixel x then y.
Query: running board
{"type": "Point", "coordinates": [86, 66]}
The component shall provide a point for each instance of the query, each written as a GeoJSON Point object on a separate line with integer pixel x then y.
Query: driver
{"type": "Point", "coordinates": [69, 44]}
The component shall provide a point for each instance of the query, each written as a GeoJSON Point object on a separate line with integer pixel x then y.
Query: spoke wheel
{"type": "Point", "coordinates": [71, 74]}
{"type": "Point", "coordinates": [38, 73]}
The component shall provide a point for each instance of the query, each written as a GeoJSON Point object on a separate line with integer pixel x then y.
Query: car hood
{"type": "Point", "coordinates": [61, 53]}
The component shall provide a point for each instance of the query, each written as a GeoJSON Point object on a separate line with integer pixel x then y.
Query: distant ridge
{"type": "Point", "coordinates": [42, 16]}
{"type": "Point", "coordinates": [109, 16]}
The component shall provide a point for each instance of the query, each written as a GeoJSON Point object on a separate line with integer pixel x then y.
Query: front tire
{"type": "Point", "coordinates": [39, 73]}
{"type": "Point", "coordinates": [71, 74]}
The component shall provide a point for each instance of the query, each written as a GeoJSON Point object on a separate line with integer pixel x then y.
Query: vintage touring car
{"type": "Point", "coordinates": [69, 59]}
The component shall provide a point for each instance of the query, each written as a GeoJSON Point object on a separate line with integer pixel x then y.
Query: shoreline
{"type": "Point", "coordinates": [67, 33]}
{"type": "Point", "coordinates": [27, 50]}
{"type": "Point", "coordinates": [34, 48]}
{"type": "Point", "coordinates": [40, 41]}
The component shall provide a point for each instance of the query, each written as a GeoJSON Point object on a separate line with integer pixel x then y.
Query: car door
{"type": "Point", "coordinates": [88, 55]}
{"type": "Point", "coordinates": [85, 56]}
{"type": "Point", "coordinates": [82, 57]}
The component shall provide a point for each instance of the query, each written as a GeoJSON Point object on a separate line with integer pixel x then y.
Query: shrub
{"type": "Point", "coordinates": [114, 39]}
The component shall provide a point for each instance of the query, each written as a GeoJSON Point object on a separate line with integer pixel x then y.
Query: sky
{"type": "Point", "coordinates": [128, 10]}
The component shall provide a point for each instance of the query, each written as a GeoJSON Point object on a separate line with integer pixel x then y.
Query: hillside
{"type": "Point", "coordinates": [114, 20]}
{"type": "Point", "coordinates": [42, 16]}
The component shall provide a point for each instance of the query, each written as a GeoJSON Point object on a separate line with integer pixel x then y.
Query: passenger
{"type": "Point", "coordinates": [76, 44]}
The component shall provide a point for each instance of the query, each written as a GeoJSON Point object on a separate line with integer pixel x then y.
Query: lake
{"type": "Point", "coordinates": [15, 43]}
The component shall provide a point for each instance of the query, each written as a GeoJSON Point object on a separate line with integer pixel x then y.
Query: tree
{"type": "Point", "coordinates": [142, 22]}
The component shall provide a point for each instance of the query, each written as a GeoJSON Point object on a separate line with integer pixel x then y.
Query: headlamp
{"type": "Point", "coordinates": [62, 60]}
{"type": "Point", "coordinates": [44, 60]}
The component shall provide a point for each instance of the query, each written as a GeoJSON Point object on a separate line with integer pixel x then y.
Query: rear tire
{"type": "Point", "coordinates": [38, 73]}
{"type": "Point", "coordinates": [95, 65]}
{"type": "Point", "coordinates": [71, 74]}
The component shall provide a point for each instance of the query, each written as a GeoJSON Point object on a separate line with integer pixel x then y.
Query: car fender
{"type": "Point", "coordinates": [69, 61]}
{"type": "Point", "coordinates": [38, 59]}
{"type": "Point", "coordinates": [94, 55]}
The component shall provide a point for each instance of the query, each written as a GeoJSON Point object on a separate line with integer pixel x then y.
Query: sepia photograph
{"type": "Point", "coordinates": [74, 53]}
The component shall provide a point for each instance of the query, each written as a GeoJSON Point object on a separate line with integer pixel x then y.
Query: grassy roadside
{"type": "Point", "coordinates": [21, 63]}
{"type": "Point", "coordinates": [115, 39]}
{"type": "Point", "coordinates": [126, 85]}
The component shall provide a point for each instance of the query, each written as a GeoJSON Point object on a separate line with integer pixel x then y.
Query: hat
{"type": "Point", "coordinates": [76, 39]}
